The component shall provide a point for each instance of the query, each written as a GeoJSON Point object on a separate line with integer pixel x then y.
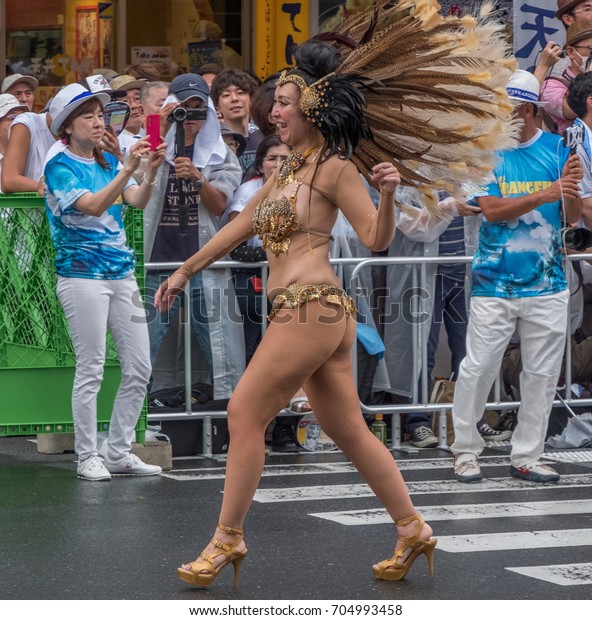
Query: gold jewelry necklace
{"type": "Point", "coordinates": [294, 162]}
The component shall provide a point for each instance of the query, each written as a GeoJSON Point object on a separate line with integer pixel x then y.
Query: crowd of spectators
{"type": "Point", "coordinates": [229, 149]}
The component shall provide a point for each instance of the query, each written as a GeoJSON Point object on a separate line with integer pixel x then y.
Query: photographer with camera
{"type": "Point", "coordinates": [558, 114]}
{"type": "Point", "coordinates": [518, 284]}
{"type": "Point", "coordinates": [193, 188]}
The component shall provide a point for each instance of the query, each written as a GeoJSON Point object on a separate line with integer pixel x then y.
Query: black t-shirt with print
{"type": "Point", "coordinates": [177, 237]}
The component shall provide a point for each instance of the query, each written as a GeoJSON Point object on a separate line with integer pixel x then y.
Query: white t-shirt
{"type": "Point", "coordinates": [41, 141]}
{"type": "Point", "coordinates": [127, 140]}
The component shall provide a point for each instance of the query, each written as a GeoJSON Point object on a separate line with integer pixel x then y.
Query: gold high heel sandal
{"type": "Point", "coordinates": [414, 546]}
{"type": "Point", "coordinates": [203, 572]}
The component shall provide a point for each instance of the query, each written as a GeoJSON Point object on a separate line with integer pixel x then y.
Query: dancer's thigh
{"type": "Point", "coordinates": [332, 392]}
{"type": "Point", "coordinates": [296, 343]}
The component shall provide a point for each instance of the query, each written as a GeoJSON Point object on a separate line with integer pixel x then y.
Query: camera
{"type": "Point", "coordinates": [573, 137]}
{"type": "Point", "coordinates": [578, 239]}
{"type": "Point", "coordinates": [178, 115]}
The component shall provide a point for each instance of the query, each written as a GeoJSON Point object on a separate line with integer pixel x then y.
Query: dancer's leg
{"type": "Point", "coordinates": [334, 400]}
{"type": "Point", "coordinates": [295, 344]}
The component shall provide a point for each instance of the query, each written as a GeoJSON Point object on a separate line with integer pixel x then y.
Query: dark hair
{"type": "Point", "coordinates": [143, 71]}
{"type": "Point", "coordinates": [578, 92]}
{"type": "Point", "coordinates": [84, 108]}
{"type": "Point", "coordinates": [232, 77]}
{"type": "Point", "coordinates": [267, 143]}
{"type": "Point", "coordinates": [262, 104]}
{"type": "Point", "coordinates": [341, 120]}
{"type": "Point", "coordinates": [315, 59]}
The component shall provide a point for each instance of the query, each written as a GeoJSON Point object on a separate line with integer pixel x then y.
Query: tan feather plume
{"type": "Point", "coordinates": [435, 91]}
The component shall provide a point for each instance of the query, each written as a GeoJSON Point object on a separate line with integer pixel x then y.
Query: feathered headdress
{"type": "Point", "coordinates": [418, 89]}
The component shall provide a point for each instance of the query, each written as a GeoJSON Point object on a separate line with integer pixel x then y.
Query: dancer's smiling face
{"type": "Point", "coordinates": [292, 126]}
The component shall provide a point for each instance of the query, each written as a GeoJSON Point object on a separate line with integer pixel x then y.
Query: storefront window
{"type": "Point", "coordinates": [61, 41]}
{"type": "Point", "coordinates": [58, 41]}
{"type": "Point", "coordinates": [185, 34]}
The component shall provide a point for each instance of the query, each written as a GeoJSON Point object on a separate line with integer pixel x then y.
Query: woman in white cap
{"type": "Point", "coordinates": [96, 285]}
{"type": "Point", "coordinates": [10, 108]}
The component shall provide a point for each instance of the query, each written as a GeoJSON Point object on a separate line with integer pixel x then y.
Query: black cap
{"type": "Point", "coordinates": [189, 85]}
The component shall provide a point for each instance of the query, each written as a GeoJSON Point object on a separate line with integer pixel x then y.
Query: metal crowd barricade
{"type": "Point", "coordinates": [419, 279]}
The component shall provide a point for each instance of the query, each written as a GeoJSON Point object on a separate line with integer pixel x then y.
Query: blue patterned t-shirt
{"type": "Point", "coordinates": [86, 246]}
{"type": "Point", "coordinates": [522, 257]}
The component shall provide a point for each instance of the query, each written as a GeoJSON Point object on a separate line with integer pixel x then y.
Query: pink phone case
{"type": "Point", "coordinates": [153, 130]}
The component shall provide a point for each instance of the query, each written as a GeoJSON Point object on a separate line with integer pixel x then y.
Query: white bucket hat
{"type": "Point", "coordinates": [67, 100]}
{"type": "Point", "coordinates": [10, 102]}
{"type": "Point", "coordinates": [523, 87]}
{"type": "Point", "coordinates": [19, 77]}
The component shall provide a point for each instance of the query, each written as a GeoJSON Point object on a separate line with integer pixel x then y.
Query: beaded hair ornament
{"type": "Point", "coordinates": [313, 98]}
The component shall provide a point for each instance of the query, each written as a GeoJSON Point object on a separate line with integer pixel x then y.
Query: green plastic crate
{"type": "Point", "coordinates": [36, 355]}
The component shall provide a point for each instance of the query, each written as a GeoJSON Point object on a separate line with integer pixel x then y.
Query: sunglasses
{"type": "Point", "coordinates": [11, 117]}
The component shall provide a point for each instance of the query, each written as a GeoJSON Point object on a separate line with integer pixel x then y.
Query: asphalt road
{"type": "Point", "coordinates": [313, 532]}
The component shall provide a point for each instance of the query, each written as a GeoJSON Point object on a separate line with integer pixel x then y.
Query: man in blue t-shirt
{"type": "Point", "coordinates": [518, 284]}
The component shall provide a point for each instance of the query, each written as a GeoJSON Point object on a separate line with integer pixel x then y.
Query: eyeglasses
{"type": "Point", "coordinates": [274, 158]}
{"type": "Point", "coordinates": [585, 9]}
{"type": "Point", "coordinates": [233, 144]}
{"type": "Point", "coordinates": [584, 47]}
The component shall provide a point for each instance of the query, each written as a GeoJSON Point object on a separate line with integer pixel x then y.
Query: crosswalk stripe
{"type": "Point", "coordinates": [506, 541]}
{"type": "Point", "coordinates": [339, 467]}
{"type": "Point", "coordinates": [341, 491]}
{"type": "Point", "coordinates": [379, 516]}
{"type": "Point", "coordinates": [558, 574]}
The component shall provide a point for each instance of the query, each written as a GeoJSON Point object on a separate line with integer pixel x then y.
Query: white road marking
{"type": "Point", "coordinates": [339, 467]}
{"type": "Point", "coordinates": [379, 516]}
{"type": "Point", "coordinates": [515, 540]}
{"type": "Point", "coordinates": [429, 487]}
{"type": "Point", "coordinates": [558, 574]}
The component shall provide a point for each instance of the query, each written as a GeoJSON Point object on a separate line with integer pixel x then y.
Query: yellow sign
{"type": "Point", "coordinates": [280, 27]}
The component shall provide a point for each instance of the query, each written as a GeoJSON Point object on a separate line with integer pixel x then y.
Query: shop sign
{"type": "Point", "coordinates": [152, 55]}
{"type": "Point", "coordinates": [280, 28]}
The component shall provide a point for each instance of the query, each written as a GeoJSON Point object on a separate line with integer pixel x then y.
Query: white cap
{"type": "Point", "coordinates": [67, 100]}
{"type": "Point", "coordinates": [523, 87]}
{"type": "Point", "coordinates": [100, 84]}
{"type": "Point", "coordinates": [19, 77]}
{"type": "Point", "coordinates": [10, 102]}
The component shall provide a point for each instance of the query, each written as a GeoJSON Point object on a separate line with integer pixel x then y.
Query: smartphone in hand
{"type": "Point", "coordinates": [153, 130]}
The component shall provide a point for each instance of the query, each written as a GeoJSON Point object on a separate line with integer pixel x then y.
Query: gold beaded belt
{"type": "Point", "coordinates": [298, 294]}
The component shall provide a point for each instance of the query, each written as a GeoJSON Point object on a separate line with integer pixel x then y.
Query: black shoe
{"type": "Point", "coordinates": [283, 439]}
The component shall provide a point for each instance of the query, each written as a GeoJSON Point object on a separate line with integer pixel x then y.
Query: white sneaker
{"type": "Point", "coordinates": [535, 472]}
{"type": "Point", "coordinates": [92, 468]}
{"type": "Point", "coordinates": [466, 468]}
{"type": "Point", "coordinates": [131, 465]}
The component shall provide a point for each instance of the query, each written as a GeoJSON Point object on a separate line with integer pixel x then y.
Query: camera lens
{"type": "Point", "coordinates": [179, 114]}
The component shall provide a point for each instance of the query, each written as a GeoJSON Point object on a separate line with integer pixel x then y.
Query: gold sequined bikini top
{"type": "Point", "coordinates": [274, 221]}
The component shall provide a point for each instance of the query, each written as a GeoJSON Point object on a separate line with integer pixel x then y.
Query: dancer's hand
{"type": "Point", "coordinates": [386, 176]}
{"type": "Point", "coordinates": [168, 290]}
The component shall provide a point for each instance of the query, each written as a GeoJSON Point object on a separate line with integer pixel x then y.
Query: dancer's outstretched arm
{"type": "Point", "coordinates": [223, 242]}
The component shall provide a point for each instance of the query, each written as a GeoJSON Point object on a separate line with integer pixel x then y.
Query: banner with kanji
{"type": "Point", "coordinates": [535, 25]}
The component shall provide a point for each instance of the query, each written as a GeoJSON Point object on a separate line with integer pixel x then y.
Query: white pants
{"type": "Point", "coordinates": [91, 307]}
{"type": "Point", "coordinates": [542, 325]}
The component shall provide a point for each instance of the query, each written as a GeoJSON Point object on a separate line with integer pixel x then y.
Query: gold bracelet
{"type": "Point", "coordinates": [186, 271]}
